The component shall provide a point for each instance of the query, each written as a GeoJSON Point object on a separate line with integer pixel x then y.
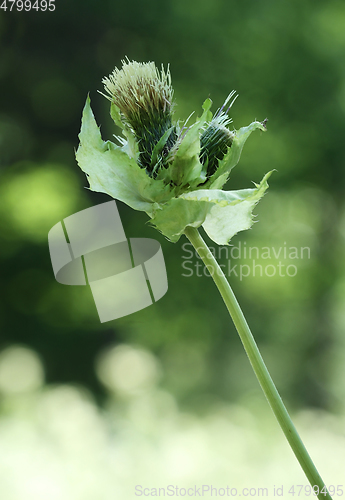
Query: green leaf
{"type": "Point", "coordinates": [222, 213]}
{"type": "Point", "coordinates": [110, 170]}
{"type": "Point", "coordinates": [186, 166]}
{"type": "Point", "coordinates": [177, 214]}
{"type": "Point", "coordinates": [159, 147]}
{"type": "Point", "coordinates": [132, 146]}
{"type": "Point", "coordinates": [230, 160]}
{"type": "Point", "coordinates": [232, 211]}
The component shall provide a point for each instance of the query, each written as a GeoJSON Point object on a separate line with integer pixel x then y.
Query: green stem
{"type": "Point", "coordinates": [257, 362]}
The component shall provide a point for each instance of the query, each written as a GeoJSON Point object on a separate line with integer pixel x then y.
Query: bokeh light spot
{"type": "Point", "coordinates": [20, 370]}
{"type": "Point", "coordinates": [36, 198]}
{"type": "Point", "coordinates": [127, 370]}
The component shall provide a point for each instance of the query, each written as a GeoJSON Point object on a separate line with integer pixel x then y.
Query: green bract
{"type": "Point", "coordinates": [174, 175]}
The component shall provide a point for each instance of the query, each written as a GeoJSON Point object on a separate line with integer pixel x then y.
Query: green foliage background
{"type": "Point", "coordinates": [286, 61]}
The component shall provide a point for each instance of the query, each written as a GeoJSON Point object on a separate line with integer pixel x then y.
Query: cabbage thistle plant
{"type": "Point", "coordinates": [175, 173]}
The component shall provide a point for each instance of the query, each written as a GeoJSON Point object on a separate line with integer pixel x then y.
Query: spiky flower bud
{"type": "Point", "coordinates": [144, 97]}
{"type": "Point", "coordinates": [216, 138]}
{"type": "Point", "coordinates": [214, 143]}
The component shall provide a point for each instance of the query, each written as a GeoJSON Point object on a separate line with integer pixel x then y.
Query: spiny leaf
{"type": "Point", "coordinates": [224, 221]}
{"type": "Point", "coordinates": [222, 213]}
{"type": "Point", "coordinates": [186, 166]}
{"type": "Point", "coordinates": [110, 170]}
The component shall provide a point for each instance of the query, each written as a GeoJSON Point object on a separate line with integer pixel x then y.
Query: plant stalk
{"type": "Point", "coordinates": [257, 362]}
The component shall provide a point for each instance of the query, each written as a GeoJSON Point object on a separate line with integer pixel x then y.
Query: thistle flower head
{"type": "Point", "coordinates": [140, 90]}
{"type": "Point", "coordinates": [144, 97]}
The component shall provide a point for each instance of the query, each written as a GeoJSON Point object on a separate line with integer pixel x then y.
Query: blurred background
{"type": "Point", "coordinates": [166, 395]}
